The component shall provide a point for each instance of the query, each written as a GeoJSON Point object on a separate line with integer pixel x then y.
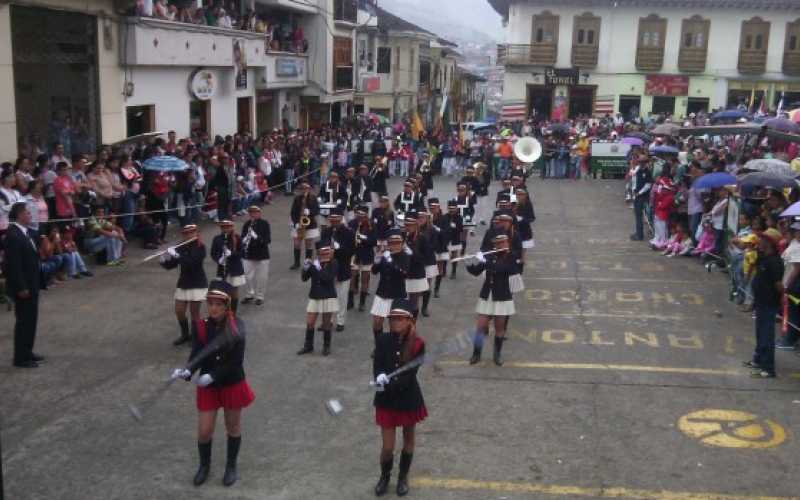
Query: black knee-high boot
{"type": "Point", "coordinates": [426, 299]}
{"type": "Point", "coordinates": [296, 264]}
{"type": "Point", "coordinates": [235, 305]}
{"type": "Point", "coordinates": [453, 268]}
{"type": "Point", "coordinates": [326, 342]}
{"type": "Point", "coordinates": [386, 474]}
{"type": "Point", "coordinates": [437, 283]}
{"type": "Point", "coordinates": [375, 334]}
{"type": "Point", "coordinates": [308, 346]}
{"type": "Point", "coordinates": [402, 476]}
{"type": "Point", "coordinates": [309, 253]}
{"type": "Point", "coordinates": [477, 348]}
{"type": "Point", "coordinates": [498, 347]}
{"type": "Point", "coordinates": [184, 324]}
{"type": "Point", "coordinates": [350, 299]}
{"type": "Point", "coordinates": [204, 450]}
{"type": "Point", "coordinates": [231, 475]}
{"type": "Point", "coordinates": [362, 299]}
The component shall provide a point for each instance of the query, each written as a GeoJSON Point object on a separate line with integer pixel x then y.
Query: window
{"type": "Point", "coordinates": [694, 49]}
{"type": "Point", "coordinates": [411, 67]}
{"type": "Point", "coordinates": [584, 40]}
{"type": "Point", "coordinates": [650, 50]}
{"type": "Point", "coordinates": [342, 63]}
{"type": "Point", "coordinates": [345, 10]}
{"type": "Point", "coordinates": [199, 116]}
{"type": "Point", "coordinates": [791, 49]}
{"type": "Point", "coordinates": [663, 105]}
{"type": "Point", "coordinates": [544, 45]}
{"type": "Point", "coordinates": [384, 60]}
{"type": "Point", "coordinates": [753, 46]}
{"type": "Point", "coordinates": [424, 72]}
{"type": "Point", "coordinates": [140, 119]}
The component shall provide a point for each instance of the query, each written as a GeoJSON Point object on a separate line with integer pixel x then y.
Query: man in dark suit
{"type": "Point", "coordinates": [21, 268]}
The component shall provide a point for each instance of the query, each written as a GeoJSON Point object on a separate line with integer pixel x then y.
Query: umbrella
{"type": "Point", "coordinates": [762, 179]}
{"type": "Point", "coordinates": [165, 164]}
{"type": "Point", "coordinates": [138, 138]}
{"type": "Point", "coordinates": [792, 211]}
{"type": "Point", "coordinates": [633, 141]}
{"type": "Point", "coordinates": [713, 181]}
{"type": "Point", "coordinates": [666, 129]}
{"type": "Point", "coordinates": [671, 150]}
{"type": "Point", "coordinates": [772, 166]}
{"type": "Point", "coordinates": [783, 125]}
{"type": "Point", "coordinates": [730, 115]}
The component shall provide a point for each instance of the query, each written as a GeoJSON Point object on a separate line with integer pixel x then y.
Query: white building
{"type": "Point", "coordinates": [570, 57]}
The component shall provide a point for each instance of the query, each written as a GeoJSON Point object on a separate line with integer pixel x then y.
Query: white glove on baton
{"type": "Point", "coordinates": [306, 211]}
{"type": "Point", "coordinates": [180, 373]}
{"type": "Point", "coordinates": [408, 250]}
{"type": "Point", "coordinates": [172, 252]}
{"type": "Point", "coordinates": [317, 265]}
{"type": "Point", "coordinates": [227, 252]}
{"type": "Point", "coordinates": [335, 245]}
{"type": "Point", "coordinates": [205, 380]}
{"type": "Point", "coordinates": [306, 264]}
{"type": "Point", "coordinates": [481, 258]}
{"type": "Point", "coordinates": [363, 237]}
{"type": "Point", "coordinates": [382, 380]}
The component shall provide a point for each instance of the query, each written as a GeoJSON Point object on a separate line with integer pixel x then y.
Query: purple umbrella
{"type": "Point", "coordinates": [783, 125]}
{"type": "Point", "coordinates": [633, 141]}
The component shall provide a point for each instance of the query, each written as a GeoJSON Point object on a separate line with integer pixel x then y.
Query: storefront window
{"type": "Point", "coordinates": [664, 105]}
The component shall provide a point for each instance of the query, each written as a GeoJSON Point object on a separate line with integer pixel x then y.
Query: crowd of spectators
{"type": "Point", "coordinates": [282, 29]}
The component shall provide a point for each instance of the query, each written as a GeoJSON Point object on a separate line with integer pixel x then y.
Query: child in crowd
{"type": "Point", "coordinates": [705, 244]}
{"type": "Point", "coordinates": [75, 267]}
{"type": "Point", "coordinates": [680, 243]}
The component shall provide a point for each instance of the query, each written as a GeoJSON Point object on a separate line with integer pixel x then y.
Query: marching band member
{"type": "Point", "coordinates": [351, 186]}
{"type": "Point", "coordinates": [398, 400]}
{"type": "Point", "coordinates": [365, 241]}
{"type": "Point", "coordinates": [525, 215]}
{"type": "Point", "coordinates": [256, 237]}
{"type": "Point", "coordinates": [343, 241]}
{"type": "Point", "coordinates": [457, 242]}
{"type": "Point", "coordinates": [363, 188]}
{"type": "Point", "coordinates": [409, 200]}
{"type": "Point", "coordinates": [392, 266]}
{"type": "Point", "coordinates": [466, 202]}
{"type": "Point", "coordinates": [496, 300]}
{"type": "Point", "coordinates": [322, 296]}
{"type": "Point", "coordinates": [426, 172]}
{"type": "Point", "coordinates": [333, 192]}
{"type": "Point", "coordinates": [442, 229]}
{"type": "Point", "coordinates": [192, 281]}
{"type": "Point", "coordinates": [503, 222]}
{"type": "Point", "coordinates": [431, 235]}
{"type": "Point", "coordinates": [382, 219]}
{"type": "Point", "coordinates": [506, 191]}
{"type": "Point", "coordinates": [378, 176]}
{"type": "Point", "coordinates": [304, 209]}
{"type": "Point", "coordinates": [226, 251]}
{"type": "Point", "coordinates": [417, 249]}
{"type": "Point", "coordinates": [222, 382]}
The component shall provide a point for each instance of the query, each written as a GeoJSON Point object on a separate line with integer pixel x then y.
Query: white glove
{"type": "Point", "coordinates": [519, 218]}
{"type": "Point", "coordinates": [317, 265]}
{"type": "Point", "coordinates": [453, 225]}
{"type": "Point", "coordinates": [221, 261]}
{"type": "Point", "coordinates": [306, 264]}
{"type": "Point", "coordinates": [306, 211]}
{"type": "Point", "coordinates": [252, 234]}
{"type": "Point", "coordinates": [382, 380]}
{"type": "Point", "coordinates": [481, 258]}
{"type": "Point", "coordinates": [172, 252]}
{"type": "Point", "coordinates": [226, 252]}
{"type": "Point", "coordinates": [335, 245]}
{"type": "Point", "coordinates": [408, 250]}
{"type": "Point", "coordinates": [180, 373]}
{"type": "Point", "coordinates": [363, 237]}
{"type": "Point", "coordinates": [378, 258]}
{"type": "Point", "coordinates": [205, 380]}
{"type": "Point", "coordinates": [437, 229]}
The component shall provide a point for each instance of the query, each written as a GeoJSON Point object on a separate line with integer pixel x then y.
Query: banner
{"type": "Point", "coordinates": [666, 85]}
{"type": "Point", "coordinates": [240, 63]}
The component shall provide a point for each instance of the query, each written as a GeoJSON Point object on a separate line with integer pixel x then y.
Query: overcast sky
{"type": "Point", "coordinates": [476, 14]}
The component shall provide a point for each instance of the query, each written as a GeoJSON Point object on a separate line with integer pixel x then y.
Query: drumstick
{"type": "Point", "coordinates": [465, 257]}
{"type": "Point", "coordinates": [159, 254]}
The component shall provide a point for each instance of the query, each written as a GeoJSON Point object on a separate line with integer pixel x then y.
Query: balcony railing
{"type": "Point", "coordinates": [791, 63]}
{"type": "Point", "coordinates": [649, 58]}
{"type": "Point", "coordinates": [345, 10]}
{"type": "Point", "coordinates": [584, 56]}
{"type": "Point", "coordinates": [752, 61]}
{"type": "Point", "coordinates": [526, 55]}
{"type": "Point", "coordinates": [692, 60]}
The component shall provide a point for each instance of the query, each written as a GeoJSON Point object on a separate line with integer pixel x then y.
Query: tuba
{"type": "Point", "coordinates": [305, 220]}
{"type": "Point", "coordinates": [528, 150]}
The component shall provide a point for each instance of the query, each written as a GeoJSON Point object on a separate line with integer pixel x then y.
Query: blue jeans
{"type": "Point", "coordinates": [289, 172]}
{"type": "Point", "coordinates": [112, 246]}
{"type": "Point", "coordinates": [694, 223]}
{"type": "Point", "coordinates": [639, 207]}
{"type": "Point", "coordinates": [128, 207]}
{"type": "Point", "coordinates": [504, 166]}
{"type": "Point", "coordinates": [75, 263]}
{"type": "Point", "coordinates": [764, 355]}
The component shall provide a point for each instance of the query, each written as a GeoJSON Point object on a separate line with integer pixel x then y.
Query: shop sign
{"type": "Point", "coordinates": [264, 96]}
{"type": "Point", "coordinates": [202, 84]}
{"type": "Point", "coordinates": [288, 67]}
{"type": "Point", "coordinates": [240, 63]}
{"type": "Point", "coordinates": [561, 76]}
{"type": "Point", "coordinates": [666, 85]}
{"type": "Point", "coordinates": [371, 83]}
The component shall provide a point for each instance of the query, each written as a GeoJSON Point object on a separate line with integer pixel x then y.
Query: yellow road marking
{"type": "Point", "coordinates": [563, 490]}
{"type": "Point", "coordinates": [731, 429]}
{"type": "Point", "coordinates": [663, 317]}
{"type": "Point", "coordinates": [617, 280]}
{"type": "Point", "coordinates": [608, 367]}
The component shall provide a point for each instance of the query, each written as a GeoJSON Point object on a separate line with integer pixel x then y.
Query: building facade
{"type": "Point", "coordinates": [582, 57]}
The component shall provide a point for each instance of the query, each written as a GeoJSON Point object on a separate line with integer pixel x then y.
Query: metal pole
{"type": "Point", "coordinates": [1, 469]}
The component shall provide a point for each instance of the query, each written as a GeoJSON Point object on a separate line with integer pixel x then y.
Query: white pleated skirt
{"type": "Point", "coordinates": [311, 234]}
{"type": "Point", "coordinates": [323, 305]}
{"type": "Point", "coordinates": [381, 307]}
{"type": "Point", "coordinates": [454, 248]}
{"type": "Point", "coordinates": [191, 294]}
{"type": "Point", "coordinates": [492, 308]}
{"type": "Point", "coordinates": [236, 281]}
{"type": "Point", "coordinates": [418, 285]}
{"type": "Point", "coordinates": [528, 243]}
{"type": "Point", "coordinates": [361, 267]}
{"type": "Point", "coordinates": [515, 283]}
{"type": "Point", "coordinates": [431, 271]}
{"type": "Point", "coordinates": [443, 257]}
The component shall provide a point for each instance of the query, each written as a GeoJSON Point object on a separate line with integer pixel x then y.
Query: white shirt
{"type": "Point", "coordinates": [791, 257]}
{"type": "Point", "coordinates": [718, 214]}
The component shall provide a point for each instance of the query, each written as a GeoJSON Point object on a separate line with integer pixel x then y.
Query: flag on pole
{"type": "Point", "coordinates": [751, 107]}
{"type": "Point", "coordinates": [780, 104]}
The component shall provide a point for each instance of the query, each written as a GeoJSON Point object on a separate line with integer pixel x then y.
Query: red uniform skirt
{"type": "Point", "coordinates": [230, 397]}
{"type": "Point", "coordinates": [385, 417]}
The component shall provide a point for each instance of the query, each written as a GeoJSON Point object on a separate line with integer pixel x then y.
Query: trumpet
{"type": "Point", "coordinates": [378, 167]}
